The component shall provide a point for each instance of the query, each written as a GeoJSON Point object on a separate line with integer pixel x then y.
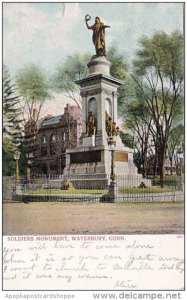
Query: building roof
{"type": "Point", "coordinates": [51, 121]}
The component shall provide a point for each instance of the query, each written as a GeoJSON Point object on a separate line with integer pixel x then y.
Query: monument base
{"type": "Point", "coordinates": [89, 141]}
{"type": "Point", "coordinates": [90, 167]}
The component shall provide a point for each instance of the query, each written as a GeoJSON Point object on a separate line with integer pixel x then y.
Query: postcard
{"type": "Point", "coordinates": [93, 150]}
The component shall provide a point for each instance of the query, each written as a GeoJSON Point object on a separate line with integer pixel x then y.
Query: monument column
{"type": "Point", "coordinates": [115, 109]}
{"type": "Point", "coordinates": [84, 109]}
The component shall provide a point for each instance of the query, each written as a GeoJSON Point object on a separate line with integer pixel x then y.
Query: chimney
{"type": "Point", "coordinates": [35, 114]}
{"type": "Point", "coordinates": [66, 109]}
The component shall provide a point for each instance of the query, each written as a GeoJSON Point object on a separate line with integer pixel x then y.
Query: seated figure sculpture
{"type": "Point", "coordinates": [111, 128]}
{"type": "Point", "coordinates": [90, 125]}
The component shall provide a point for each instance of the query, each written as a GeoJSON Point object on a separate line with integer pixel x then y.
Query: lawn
{"type": "Point", "coordinates": [65, 192]}
{"type": "Point", "coordinates": [148, 190]}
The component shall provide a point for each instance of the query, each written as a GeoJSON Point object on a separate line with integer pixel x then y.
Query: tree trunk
{"type": "Point", "coordinates": [171, 165]}
{"type": "Point", "coordinates": [162, 173]}
{"type": "Point", "coordinates": [161, 163]}
{"type": "Point", "coordinates": [155, 165]}
{"type": "Point", "coordinates": [145, 167]}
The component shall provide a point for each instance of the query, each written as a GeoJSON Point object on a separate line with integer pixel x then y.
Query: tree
{"type": "Point", "coordinates": [11, 112]}
{"type": "Point", "coordinates": [8, 162]}
{"type": "Point", "coordinates": [33, 87]}
{"type": "Point", "coordinates": [139, 121]}
{"type": "Point", "coordinates": [175, 142]}
{"type": "Point", "coordinates": [158, 74]}
{"type": "Point", "coordinates": [12, 130]}
{"type": "Point", "coordinates": [127, 139]}
{"type": "Point", "coordinates": [74, 68]}
{"type": "Point", "coordinates": [119, 66]}
{"type": "Point", "coordinates": [119, 69]}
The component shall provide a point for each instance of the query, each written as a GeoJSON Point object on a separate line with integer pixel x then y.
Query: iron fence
{"type": "Point", "coordinates": [9, 188]}
{"type": "Point", "coordinates": [93, 188]}
{"type": "Point", "coordinates": [151, 190]}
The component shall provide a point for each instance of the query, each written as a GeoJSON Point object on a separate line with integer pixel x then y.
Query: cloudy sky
{"type": "Point", "coordinates": [45, 33]}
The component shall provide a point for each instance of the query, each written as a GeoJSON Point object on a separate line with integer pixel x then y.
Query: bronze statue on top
{"type": "Point", "coordinates": [98, 35]}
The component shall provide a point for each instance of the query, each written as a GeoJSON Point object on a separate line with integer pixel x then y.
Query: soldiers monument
{"type": "Point", "coordinates": [91, 160]}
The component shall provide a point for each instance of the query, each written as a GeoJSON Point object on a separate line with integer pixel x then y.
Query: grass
{"type": "Point", "coordinates": [65, 192]}
{"type": "Point", "coordinates": [148, 190]}
{"type": "Point", "coordinates": [173, 177]}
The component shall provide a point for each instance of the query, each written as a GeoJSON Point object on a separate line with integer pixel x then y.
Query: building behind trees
{"type": "Point", "coordinates": [47, 139]}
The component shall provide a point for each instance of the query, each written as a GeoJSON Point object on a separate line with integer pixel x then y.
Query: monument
{"type": "Point", "coordinates": [92, 160]}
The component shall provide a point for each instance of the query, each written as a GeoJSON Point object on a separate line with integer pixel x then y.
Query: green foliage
{"type": "Point", "coordinates": [126, 94]}
{"type": "Point", "coordinates": [137, 157]}
{"type": "Point", "coordinates": [138, 119]}
{"type": "Point", "coordinates": [169, 179]}
{"type": "Point", "coordinates": [175, 140]}
{"type": "Point", "coordinates": [8, 162]}
{"type": "Point", "coordinates": [147, 190]}
{"type": "Point", "coordinates": [164, 53]}
{"type": "Point", "coordinates": [119, 69]}
{"type": "Point", "coordinates": [12, 130]}
{"type": "Point", "coordinates": [119, 66]}
{"type": "Point", "coordinates": [66, 192]}
{"type": "Point", "coordinates": [158, 74]}
{"type": "Point", "coordinates": [9, 165]}
{"type": "Point", "coordinates": [73, 68]}
{"type": "Point", "coordinates": [137, 114]}
{"type": "Point", "coordinates": [33, 86]}
{"type": "Point", "coordinates": [32, 83]}
{"type": "Point", "coordinates": [127, 139]}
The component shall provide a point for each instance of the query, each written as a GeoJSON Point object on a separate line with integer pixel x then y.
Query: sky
{"type": "Point", "coordinates": [46, 33]}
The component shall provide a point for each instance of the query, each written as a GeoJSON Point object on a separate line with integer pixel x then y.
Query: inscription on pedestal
{"type": "Point", "coordinates": [121, 156]}
{"type": "Point", "coordinates": [85, 157]}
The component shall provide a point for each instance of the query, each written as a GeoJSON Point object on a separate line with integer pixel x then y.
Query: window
{"type": "Point", "coordinates": [63, 141]}
{"type": "Point", "coordinates": [43, 151]}
{"type": "Point", "coordinates": [44, 139]}
{"type": "Point", "coordinates": [53, 138]}
{"type": "Point", "coordinates": [53, 150]}
{"type": "Point", "coordinates": [63, 136]}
